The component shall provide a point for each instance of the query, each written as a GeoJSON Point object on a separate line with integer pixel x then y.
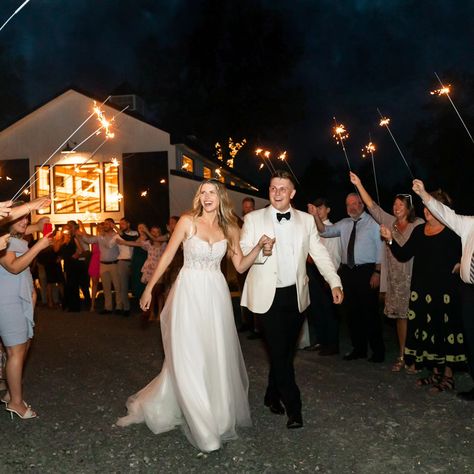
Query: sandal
{"type": "Point", "coordinates": [446, 383]}
{"type": "Point", "coordinates": [411, 370]}
{"type": "Point", "coordinates": [432, 379]}
{"type": "Point", "coordinates": [398, 365]}
{"type": "Point", "coordinates": [28, 414]}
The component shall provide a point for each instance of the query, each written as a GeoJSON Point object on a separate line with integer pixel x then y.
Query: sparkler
{"type": "Point", "coordinates": [384, 121]}
{"type": "Point", "coordinates": [14, 13]}
{"type": "Point", "coordinates": [340, 134]}
{"type": "Point", "coordinates": [282, 157]}
{"type": "Point", "coordinates": [445, 90]}
{"type": "Point", "coordinates": [27, 182]}
{"type": "Point", "coordinates": [369, 149]}
{"type": "Point", "coordinates": [265, 157]}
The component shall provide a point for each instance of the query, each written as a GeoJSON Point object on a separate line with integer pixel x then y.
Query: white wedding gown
{"type": "Point", "coordinates": [203, 384]}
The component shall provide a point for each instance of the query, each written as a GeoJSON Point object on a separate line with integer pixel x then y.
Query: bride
{"type": "Point", "coordinates": [203, 384]}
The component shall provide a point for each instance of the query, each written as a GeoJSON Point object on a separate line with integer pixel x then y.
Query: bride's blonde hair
{"type": "Point", "coordinates": [225, 212]}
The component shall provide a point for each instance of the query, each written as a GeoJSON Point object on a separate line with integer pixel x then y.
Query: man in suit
{"type": "Point", "coordinates": [277, 287]}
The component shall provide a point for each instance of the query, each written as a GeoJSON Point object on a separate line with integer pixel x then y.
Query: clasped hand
{"type": "Point", "coordinates": [266, 244]}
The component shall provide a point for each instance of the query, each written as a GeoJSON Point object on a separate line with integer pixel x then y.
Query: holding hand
{"type": "Point", "coordinates": [39, 203]}
{"type": "Point", "coordinates": [355, 180]}
{"type": "Point", "coordinates": [386, 233]}
{"type": "Point", "coordinates": [4, 241]}
{"type": "Point", "coordinates": [266, 243]}
{"type": "Point", "coordinates": [5, 208]}
{"type": "Point", "coordinates": [418, 187]}
{"type": "Point", "coordinates": [312, 209]}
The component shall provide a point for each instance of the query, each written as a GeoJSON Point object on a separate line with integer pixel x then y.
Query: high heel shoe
{"type": "Point", "coordinates": [29, 413]}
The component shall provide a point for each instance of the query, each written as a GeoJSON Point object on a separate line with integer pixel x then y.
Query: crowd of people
{"type": "Point", "coordinates": [296, 266]}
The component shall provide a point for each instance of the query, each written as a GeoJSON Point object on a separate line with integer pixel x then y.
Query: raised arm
{"type": "Point", "coordinates": [26, 208]}
{"type": "Point", "coordinates": [365, 196]}
{"type": "Point", "coordinates": [317, 220]}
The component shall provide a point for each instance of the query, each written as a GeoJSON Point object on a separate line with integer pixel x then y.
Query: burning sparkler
{"type": "Point", "coordinates": [445, 90]}
{"type": "Point", "coordinates": [340, 134]}
{"type": "Point", "coordinates": [384, 121]}
{"type": "Point", "coordinates": [283, 157]}
{"type": "Point", "coordinates": [369, 150]}
{"type": "Point", "coordinates": [264, 155]}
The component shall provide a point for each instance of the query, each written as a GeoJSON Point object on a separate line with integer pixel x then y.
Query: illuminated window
{"type": "Point", "coordinates": [42, 186]}
{"type": "Point", "coordinates": [76, 188]}
{"type": "Point", "coordinates": [111, 187]}
{"type": "Point", "coordinates": [187, 164]}
{"type": "Point", "coordinates": [207, 173]}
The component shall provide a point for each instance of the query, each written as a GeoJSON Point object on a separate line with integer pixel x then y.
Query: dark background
{"type": "Point", "coordinates": [274, 72]}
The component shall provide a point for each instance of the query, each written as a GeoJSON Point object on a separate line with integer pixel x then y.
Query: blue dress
{"type": "Point", "coordinates": [16, 297]}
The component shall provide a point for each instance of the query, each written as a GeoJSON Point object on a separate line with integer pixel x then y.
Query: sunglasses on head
{"type": "Point", "coordinates": [406, 196]}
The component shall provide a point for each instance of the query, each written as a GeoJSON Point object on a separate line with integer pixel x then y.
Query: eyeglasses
{"type": "Point", "coordinates": [406, 196]}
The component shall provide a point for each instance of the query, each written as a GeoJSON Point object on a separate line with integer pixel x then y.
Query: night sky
{"type": "Point", "coordinates": [352, 57]}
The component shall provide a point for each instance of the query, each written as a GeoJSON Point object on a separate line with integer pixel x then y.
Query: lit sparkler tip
{"type": "Point", "coordinates": [258, 151]}
{"type": "Point", "coordinates": [340, 133]}
{"type": "Point", "coordinates": [445, 90]}
{"type": "Point", "coordinates": [115, 162]}
{"type": "Point", "coordinates": [143, 193]}
{"type": "Point", "coordinates": [267, 154]}
{"type": "Point", "coordinates": [261, 166]}
{"type": "Point", "coordinates": [384, 122]}
{"type": "Point", "coordinates": [282, 156]}
{"type": "Point", "coordinates": [163, 181]}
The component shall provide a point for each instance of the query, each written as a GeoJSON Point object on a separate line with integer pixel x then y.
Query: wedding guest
{"type": "Point", "coordinates": [464, 227]}
{"type": "Point", "coordinates": [16, 311]}
{"type": "Point", "coordinates": [434, 336]}
{"type": "Point", "coordinates": [397, 274]}
{"type": "Point", "coordinates": [360, 275]}
{"type": "Point", "coordinates": [139, 257]}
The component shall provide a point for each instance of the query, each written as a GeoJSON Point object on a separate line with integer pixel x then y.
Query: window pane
{"type": "Point", "coordinates": [187, 164]}
{"type": "Point", "coordinates": [207, 174]}
{"type": "Point", "coordinates": [42, 186]}
{"type": "Point", "coordinates": [111, 184]}
{"type": "Point", "coordinates": [76, 188]}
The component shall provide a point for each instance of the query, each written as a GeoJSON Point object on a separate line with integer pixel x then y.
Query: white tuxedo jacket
{"type": "Point", "coordinates": [260, 285]}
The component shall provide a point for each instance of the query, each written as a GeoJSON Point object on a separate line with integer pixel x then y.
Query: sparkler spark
{"type": "Point", "coordinates": [143, 193]}
{"type": "Point", "coordinates": [106, 124]}
{"type": "Point", "coordinates": [163, 181]}
{"type": "Point", "coordinates": [261, 166]}
{"type": "Point", "coordinates": [384, 121]}
{"type": "Point", "coordinates": [443, 91]}
{"type": "Point", "coordinates": [340, 134]}
{"type": "Point", "coordinates": [115, 162]}
{"type": "Point", "coordinates": [282, 156]}
{"type": "Point", "coordinates": [368, 149]}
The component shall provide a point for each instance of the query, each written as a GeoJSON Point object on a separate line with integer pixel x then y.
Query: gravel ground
{"type": "Point", "coordinates": [359, 417]}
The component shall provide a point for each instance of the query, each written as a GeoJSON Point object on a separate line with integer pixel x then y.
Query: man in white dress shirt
{"type": "Point", "coordinates": [277, 287]}
{"type": "Point", "coordinates": [464, 227]}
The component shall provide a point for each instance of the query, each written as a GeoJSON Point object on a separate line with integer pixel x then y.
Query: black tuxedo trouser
{"type": "Point", "coordinates": [362, 306]}
{"type": "Point", "coordinates": [281, 327]}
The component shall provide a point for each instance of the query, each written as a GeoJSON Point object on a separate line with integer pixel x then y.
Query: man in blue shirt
{"type": "Point", "coordinates": [360, 275]}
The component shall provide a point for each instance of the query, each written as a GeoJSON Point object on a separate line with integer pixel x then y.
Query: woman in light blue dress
{"type": "Point", "coordinates": [16, 311]}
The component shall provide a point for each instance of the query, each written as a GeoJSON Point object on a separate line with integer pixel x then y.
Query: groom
{"type": "Point", "coordinates": [277, 287]}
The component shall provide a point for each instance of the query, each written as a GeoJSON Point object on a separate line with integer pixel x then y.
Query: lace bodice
{"type": "Point", "coordinates": [201, 255]}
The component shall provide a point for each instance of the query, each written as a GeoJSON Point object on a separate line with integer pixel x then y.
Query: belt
{"type": "Point", "coordinates": [108, 263]}
{"type": "Point", "coordinates": [363, 265]}
{"type": "Point", "coordinates": [124, 259]}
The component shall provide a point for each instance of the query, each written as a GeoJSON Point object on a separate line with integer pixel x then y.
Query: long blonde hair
{"type": "Point", "coordinates": [225, 212]}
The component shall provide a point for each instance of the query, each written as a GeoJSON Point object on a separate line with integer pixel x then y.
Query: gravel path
{"type": "Point", "coordinates": [359, 417]}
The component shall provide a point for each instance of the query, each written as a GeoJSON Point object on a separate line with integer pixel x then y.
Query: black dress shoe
{"type": "Point", "coordinates": [294, 422]}
{"type": "Point", "coordinates": [276, 407]}
{"type": "Point", "coordinates": [376, 359]}
{"type": "Point", "coordinates": [354, 355]}
{"type": "Point", "coordinates": [467, 396]}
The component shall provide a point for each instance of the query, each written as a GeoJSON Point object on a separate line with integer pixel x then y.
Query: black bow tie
{"type": "Point", "coordinates": [285, 215]}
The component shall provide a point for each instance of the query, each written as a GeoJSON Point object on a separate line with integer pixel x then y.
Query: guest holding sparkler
{"type": "Point", "coordinates": [397, 274]}
{"type": "Point", "coordinates": [434, 336]}
{"type": "Point", "coordinates": [16, 311]}
{"type": "Point", "coordinates": [464, 227]}
{"type": "Point", "coordinates": [9, 213]}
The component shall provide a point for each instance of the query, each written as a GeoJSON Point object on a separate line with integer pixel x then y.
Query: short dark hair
{"type": "Point", "coordinates": [442, 196]}
{"type": "Point", "coordinates": [125, 219]}
{"type": "Point", "coordinates": [283, 174]}
{"type": "Point", "coordinates": [321, 201]}
{"type": "Point", "coordinates": [248, 199]}
{"type": "Point", "coordinates": [110, 220]}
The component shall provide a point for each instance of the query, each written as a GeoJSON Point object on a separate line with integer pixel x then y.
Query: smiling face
{"type": "Point", "coordinates": [354, 206]}
{"type": "Point", "coordinates": [209, 198]}
{"type": "Point", "coordinates": [155, 231]}
{"type": "Point", "coordinates": [400, 210]}
{"type": "Point", "coordinates": [281, 192]}
{"type": "Point", "coordinates": [19, 226]}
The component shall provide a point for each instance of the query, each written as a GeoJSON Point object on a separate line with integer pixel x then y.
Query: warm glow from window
{"type": "Point", "coordinates": [111, 186]}
{"type": "Point", "coordinates": [187, 164]}
{"type": "Point", "coordinates": [207, 173]}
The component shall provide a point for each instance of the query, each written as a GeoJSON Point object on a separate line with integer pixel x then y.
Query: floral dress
{"type": "Point", "coordinates": [154, 254]}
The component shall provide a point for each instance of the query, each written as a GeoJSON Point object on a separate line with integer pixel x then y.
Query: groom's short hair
{"type": "Point", "coordinates": [283, 174]}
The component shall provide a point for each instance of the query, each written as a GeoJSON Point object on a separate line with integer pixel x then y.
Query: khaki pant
{"type": "Point", "coordinates": [123, 268]}
{"type": "Point", "coordinates": [110, 276]}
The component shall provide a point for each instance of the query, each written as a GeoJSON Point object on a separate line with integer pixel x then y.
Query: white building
{"type": "Point", "coordinates": [138, 172]}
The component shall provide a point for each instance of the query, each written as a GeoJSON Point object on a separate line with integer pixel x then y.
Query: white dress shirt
{"type": "Point", "coordinates": [333, 245]}
{"type": "Point", "coordinates": [285, 250]}
{"type": "Point", "coordinates": [461, 225]}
